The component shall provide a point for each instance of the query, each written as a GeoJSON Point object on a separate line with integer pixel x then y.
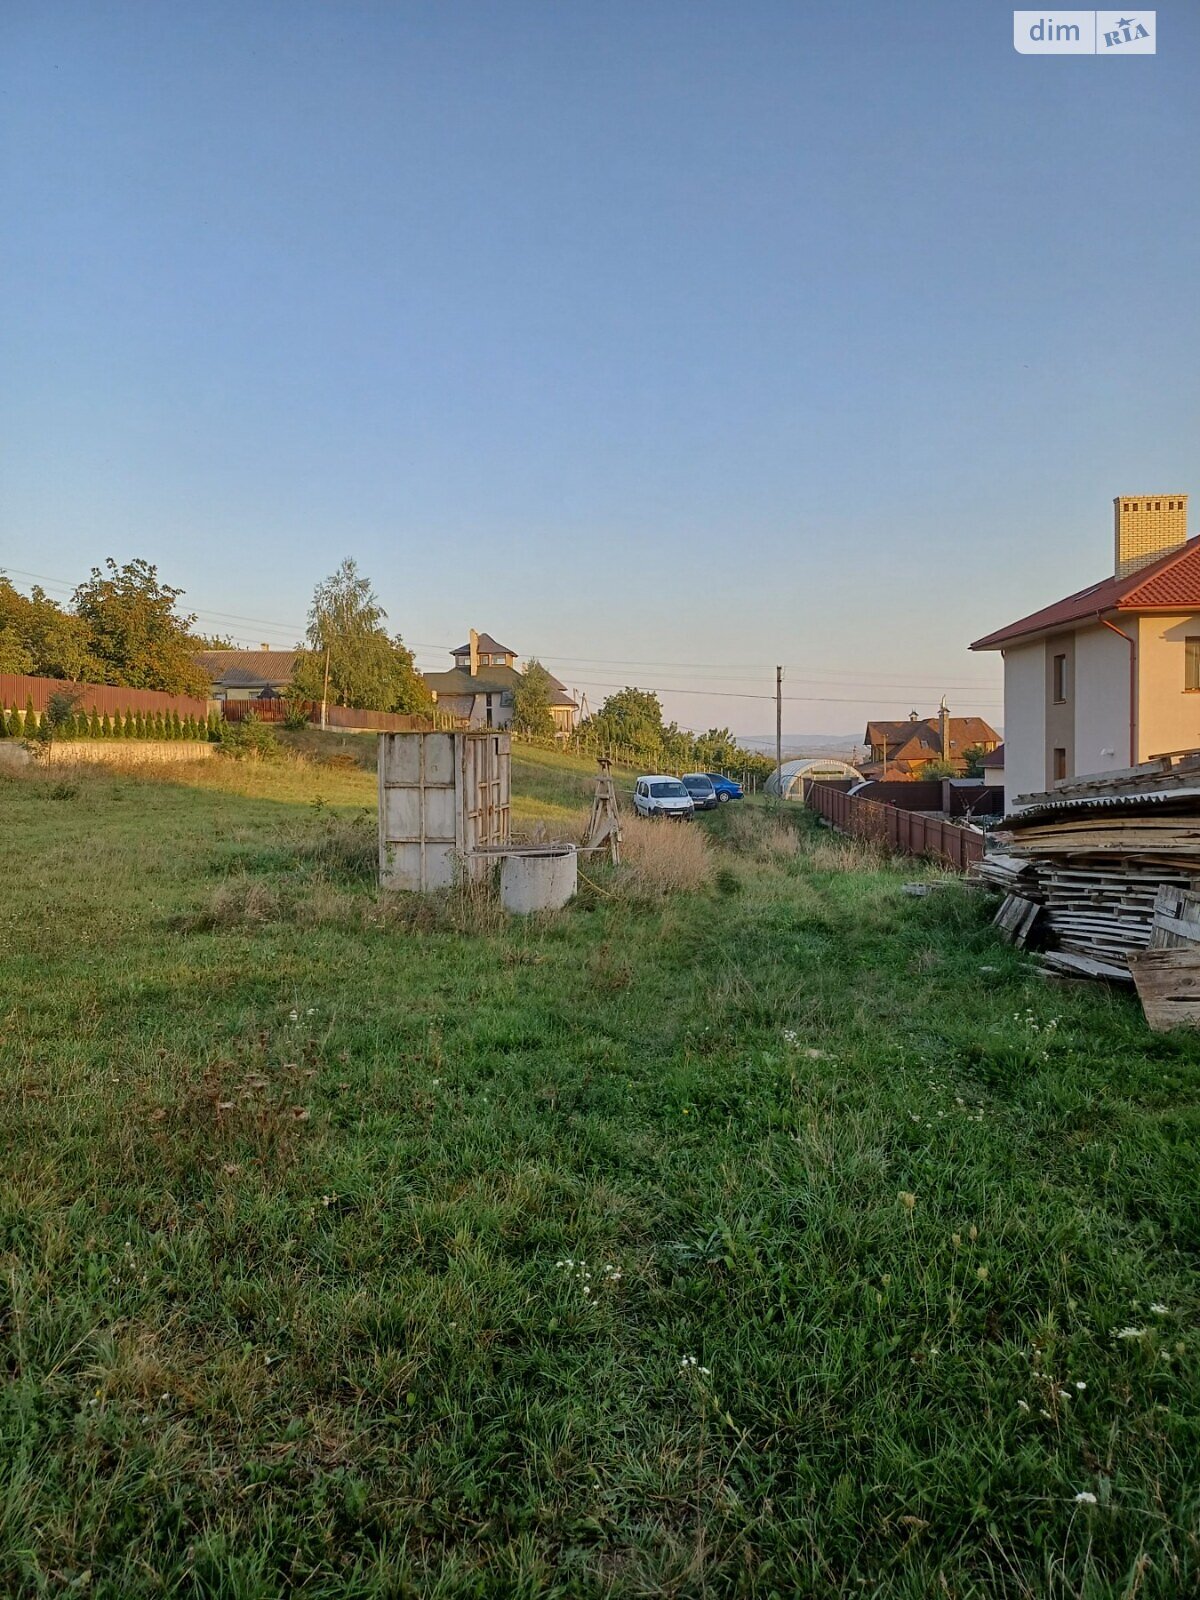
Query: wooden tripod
{"type": "Point", "coordinates": [604, 824]}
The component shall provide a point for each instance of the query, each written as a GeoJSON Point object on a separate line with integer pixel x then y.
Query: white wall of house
{"type": "Point", "coordinates": [1024, 719]}
{"type": "Point", "coordinates": [1168, 716]}
{"type": "Point", "coordinates": [993, 777]}
{"type": "Point", "coordinates": [1101, 699]}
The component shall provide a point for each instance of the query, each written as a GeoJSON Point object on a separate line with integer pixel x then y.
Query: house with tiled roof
{"type": "Point", "coordinates": [1108, 677]}
{"type": "Point", "coordinates": [901, 750]}
{"type": "Point", "coordinates": [478, 690]}
{"type": "Point", "coordinates": [262, 674]}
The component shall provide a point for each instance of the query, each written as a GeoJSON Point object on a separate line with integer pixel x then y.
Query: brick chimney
{"type": "Point", "coordinates": [1148, 526]}
{"type": "Point", "coordinates": [473, 644]}
{"type": "Point", "coordinates": [944, 726]}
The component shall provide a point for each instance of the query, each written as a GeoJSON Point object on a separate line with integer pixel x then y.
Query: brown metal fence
{"type": "Point", "coordinates": [18, 690]}
{"type": "Point", "coordinates": [343, 717]}
{"type": "Point", "coordinates": [909, 832]}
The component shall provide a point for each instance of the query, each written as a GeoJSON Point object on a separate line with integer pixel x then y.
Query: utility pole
{"type": "Point", "coordinates": [325, 690]}
{"type": "Point", "coordinates": [779, 726]}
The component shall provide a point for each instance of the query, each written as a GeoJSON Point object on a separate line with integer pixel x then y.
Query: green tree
{"type": "Point", "coordinates": [36, 631]}
{"type": "Point", "coordinates": [248, 739]}
{"type": "Point", "coordinates": [939, 768]}
{"type": "Point", "coordinates": [973, 756]}
{"type": "Point", "coordinates": [58, 719]}
{"type": "Point", "coordinates": [14, 656]}
{"type": "Point", "coordinates": [366, 668]}
{"type": "Point", "coordinates": [531, 702]}
{"type": "Point", "coordinates": [630, 719]}
{"type": "Point", "coordinates": [135, 632]}
{"type": "Point", "coordinates": [29, 725]}
{"type": "Point", "coordinates": [14, 723]}
{"type": "Point", "coordinates": [106, 727]}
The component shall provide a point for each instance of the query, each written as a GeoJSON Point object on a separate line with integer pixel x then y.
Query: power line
{"type": "Point", "coordinates": [724, 674]}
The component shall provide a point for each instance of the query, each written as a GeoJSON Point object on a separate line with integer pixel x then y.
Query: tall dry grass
{"type": "Point", "coordinates": [665, 857]}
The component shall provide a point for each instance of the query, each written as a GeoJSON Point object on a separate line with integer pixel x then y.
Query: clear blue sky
{"type": "Point", "coordinates": [704, 334]}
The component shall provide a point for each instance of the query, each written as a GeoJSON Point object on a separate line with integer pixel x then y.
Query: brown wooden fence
{"type": "Point", "coordinates": [17, 690]}
{"type": "Point", "coordinates": [910, 832]}
{"type": "Point", "coordinates": [343, 717]}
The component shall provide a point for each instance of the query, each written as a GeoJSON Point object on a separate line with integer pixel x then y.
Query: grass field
{"type": "Point", "coordinates": [749, 1228]}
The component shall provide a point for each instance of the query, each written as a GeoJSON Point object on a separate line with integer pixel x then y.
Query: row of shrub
{"type": "Point", "coordinates": [93, 724]}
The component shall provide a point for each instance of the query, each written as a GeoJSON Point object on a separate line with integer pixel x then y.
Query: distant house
{"type": "Point", "coordinates": [899, 750]}
{"type": "Point", "coordinates": [262, 674]}
{"type": "Point", "coordinates": [993, 768]}
{"type": "Point", "coordinates": [1110, 676]}
{"type": "Point", "coordinates": [479, 687]}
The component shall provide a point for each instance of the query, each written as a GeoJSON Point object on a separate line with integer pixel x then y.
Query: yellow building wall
{"type": "Point", "coordinates": [1168, 715]}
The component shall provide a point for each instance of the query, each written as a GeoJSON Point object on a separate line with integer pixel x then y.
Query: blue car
{"type": "Point", "coordinates": [727, 788]}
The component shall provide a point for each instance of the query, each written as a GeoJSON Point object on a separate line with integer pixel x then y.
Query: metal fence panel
{"type": "Point", "coordinates": [906, 832]}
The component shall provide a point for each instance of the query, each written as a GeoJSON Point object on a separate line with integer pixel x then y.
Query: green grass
{"type": "Point", "coordinates": [290, 1174]}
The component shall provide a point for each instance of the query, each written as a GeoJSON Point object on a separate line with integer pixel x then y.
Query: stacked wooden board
{"type": "Point", "coordinates": [1098, 852]}
{"type": "Point", "coordinates": [1168, 973]}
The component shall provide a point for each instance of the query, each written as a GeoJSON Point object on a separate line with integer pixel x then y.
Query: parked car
{"type": "Point", "coordinates": [727, 788]}
{"type": "Point", "coordinates": [659, 796]}
{"type": "Point", "coordinates": [700, 786]}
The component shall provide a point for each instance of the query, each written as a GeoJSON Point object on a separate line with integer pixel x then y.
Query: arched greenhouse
{"type": "Point", "coordinates": [788, 780]}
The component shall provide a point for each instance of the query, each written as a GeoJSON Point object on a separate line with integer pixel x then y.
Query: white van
{"type": "Point", "coordinates": [660, 796]}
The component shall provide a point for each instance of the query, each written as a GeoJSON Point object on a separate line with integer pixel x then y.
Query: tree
{"type": "Point", "coordinates": [36, 632]}
{"type": "Point", "coordinates": [134, 631]}
{"type": "Point", "coordinates": [973, 755]}
{"type": "Point", "coordinates": [58, 719]}
{"type": "Point", "coordinates": [14, 657]}
{"type": "Point", "coordinates": [366, 668]}
{"type": "Point", "coordinates": [531, 702]}
{"type": "Point", "coordinates": [632, 719]}
{"type": "Point", "coordinates": [939, 768]}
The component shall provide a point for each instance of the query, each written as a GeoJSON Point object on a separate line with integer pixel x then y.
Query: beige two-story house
{"type": "Point", "coordinates": [479, 689]}
{"type": "Point", "coordinates": [1110, 676]}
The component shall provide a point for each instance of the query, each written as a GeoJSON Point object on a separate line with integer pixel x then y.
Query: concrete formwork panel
{"type": "Point", "coordinates": [441, 797]}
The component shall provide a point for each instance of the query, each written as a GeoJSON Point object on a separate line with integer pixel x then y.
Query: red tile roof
{"type": "Point", "coordinates": [964, 731]}
{"type": "Point", "coordinates": [1169, 584]}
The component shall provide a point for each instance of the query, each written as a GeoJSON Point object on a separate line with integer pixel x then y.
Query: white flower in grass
{"type": "Point", "coordinates": [1159, 1309]}
{"type": "Point", "coordinates": [1130, 1333]}
{"type": "Point", "coordinates": [1022, 1405]}
{"type": "Point", "coordinates": [1079, 1383]}
{"type": "Point", "coordinates": [1085, 1498]}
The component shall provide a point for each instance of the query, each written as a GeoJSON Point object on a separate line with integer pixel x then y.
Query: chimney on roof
{"type": "Point", "coordinates": [944, 726]}
{"type": "Point", "coordinates": [473, 647]}
{"type": "Point", "coordinates": [1148, 527]}
{"type": "Point", "coordinates": [264, 647]}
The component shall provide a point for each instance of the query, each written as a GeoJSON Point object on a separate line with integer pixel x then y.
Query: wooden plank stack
{"type": "Point", "coordinates": [1168, 973]}
{"type": "Point", "coordinates": [1098, 852]}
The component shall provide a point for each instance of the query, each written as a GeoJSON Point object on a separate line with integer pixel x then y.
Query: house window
{"type": "Point", "coordinates": [1191, 663]}
{"type": "Point", "coordinates": [1060, 679]}
{"type": "Point", "coordinates": [1060, 763]}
